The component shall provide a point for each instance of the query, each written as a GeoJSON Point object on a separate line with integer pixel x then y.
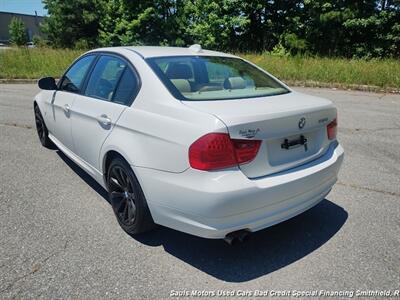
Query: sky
{"type": "Point", "coordinates": [23, 6]}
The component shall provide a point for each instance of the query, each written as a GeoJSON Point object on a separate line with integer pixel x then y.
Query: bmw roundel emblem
{"type": "Point", "coordinates": [302, 123]}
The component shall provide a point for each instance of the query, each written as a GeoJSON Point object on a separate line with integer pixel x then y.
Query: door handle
{"type": "Point", "coordinates": [66, 108]}
{"type": "Point", "coordinates": [104, 120]}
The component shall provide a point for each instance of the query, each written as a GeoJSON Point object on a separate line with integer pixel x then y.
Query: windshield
{"type": "Point", "coordinates": [213, 78]}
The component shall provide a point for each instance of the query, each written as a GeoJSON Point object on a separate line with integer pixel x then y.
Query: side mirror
{"type": "Point", "coordinates": [47, 83]}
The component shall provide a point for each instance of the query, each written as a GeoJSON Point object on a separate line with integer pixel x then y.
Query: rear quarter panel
{"type": "Point", "coordinates": [157, 140]}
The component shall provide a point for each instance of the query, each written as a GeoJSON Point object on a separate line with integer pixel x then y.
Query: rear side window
{"type": "Point", "coordinates": [105, 77]}
{"type": "Point", "coordinates": [127, 88]}
{"type": "Point", "coordinates": [73, 79]}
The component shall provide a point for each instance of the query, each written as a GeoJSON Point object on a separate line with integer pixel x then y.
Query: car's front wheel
{"type": "Point", "coordinates": [127, 198]}
{"type": "Point", "coordinates": [41, 129]}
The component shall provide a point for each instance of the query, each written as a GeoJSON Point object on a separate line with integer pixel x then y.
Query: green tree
{"type": "Point", "coordinates": [217, 24]}
{"type": "Point", "coordinates": [73, 23]}
{"type": "Point", "coordinates": [361, 28]}
{"type": "Point", "coordinates": [17, 31]}
{"type": "Point", "coordinates": [149, 22]}
{"type": "Point", "coordinates": [377, 34]}
{"type": "Point", "coordinates": [39, 41]}
{"type": "Point", "coordinates": [269, 22]}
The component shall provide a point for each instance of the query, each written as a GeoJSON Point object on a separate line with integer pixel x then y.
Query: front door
{"type": "Point", "coordinates": [59, 124]}
{"type": "Point", "coordinates": [59, 120]}
{"type": "Point", "coordinates": [95, 113]}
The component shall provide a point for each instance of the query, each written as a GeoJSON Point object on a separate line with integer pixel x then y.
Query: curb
{"type": "Point", "coordinates": [344, 86]}
{"type": "Point", "coordinates": [298, 83]}
{"type": "Point", "coordinates": [17, 81]}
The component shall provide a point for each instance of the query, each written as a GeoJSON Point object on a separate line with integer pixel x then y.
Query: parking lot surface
{"type": "Point", "coordinates": [60, 239]}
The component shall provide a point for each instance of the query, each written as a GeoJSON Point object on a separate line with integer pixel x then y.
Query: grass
{"type": "Point", "coordinates": [383, 73]}
{"type": "Point", "coordinates": [25, 63]}
{"type": "Point", "coordinates": [34, 63]}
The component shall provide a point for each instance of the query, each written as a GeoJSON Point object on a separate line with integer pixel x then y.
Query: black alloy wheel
{"type": "Point", "coordinates": [127, 198]}
{"type": "Point", "coordinates": [122, 195]}
{"type": "Point", "coordinates": [42, 129]}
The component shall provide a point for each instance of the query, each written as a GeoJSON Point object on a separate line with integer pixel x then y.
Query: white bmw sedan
{"type": "Point", "coordinates": [199, 141]}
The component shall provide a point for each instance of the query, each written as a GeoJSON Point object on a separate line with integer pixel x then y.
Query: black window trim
{"type": "Point", "coordinates": [88, 74]}
{"type": "Point", "coordinates": [128, 65]}
{"type": "Point", "coordinates": [59, 83]}
{"type": "Point", "coordinates": [89, 71]}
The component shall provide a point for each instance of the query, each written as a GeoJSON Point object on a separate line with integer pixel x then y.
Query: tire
{"type": "Point", "coordinates": [41, 129]}
{"type": "Point", "coordinates": [127, 198]}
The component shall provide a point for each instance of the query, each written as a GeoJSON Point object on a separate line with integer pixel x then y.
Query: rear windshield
{"type": "Point", "coordinates": [213, 78]}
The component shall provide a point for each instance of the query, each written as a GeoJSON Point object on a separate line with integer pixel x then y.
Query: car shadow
{"type": "Point", "coordinates": [265, 252]}
{"type": "Point", "coordinates": [84, 176]}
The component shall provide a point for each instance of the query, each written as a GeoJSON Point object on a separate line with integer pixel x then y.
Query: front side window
{"type": "Point", "coordinates": [213, 78]}
{"type": "Point", "coordinates": [73, 79]}
{"type": "Point", "coordinates": [105, 77]}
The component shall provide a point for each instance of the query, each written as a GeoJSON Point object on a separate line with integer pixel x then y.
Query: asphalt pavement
{"type": "Point", "coordinates": [60, 239]}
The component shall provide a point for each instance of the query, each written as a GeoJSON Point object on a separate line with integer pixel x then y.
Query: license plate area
{"type": "Point", "coordinates": [297, 147]}
{"type": "Point", "coordinates": [295, 143]}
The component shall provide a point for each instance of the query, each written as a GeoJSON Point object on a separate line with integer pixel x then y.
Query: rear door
{"type": "Point", "coordinates": [110, 88]}
{"type": "Point", "coordinates": [59, 106]}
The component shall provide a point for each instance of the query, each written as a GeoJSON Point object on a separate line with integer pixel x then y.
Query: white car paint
{"type": "Point", "coordinates": [154, 135]}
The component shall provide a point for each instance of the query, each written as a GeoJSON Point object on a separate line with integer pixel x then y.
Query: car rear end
{"type": "Point", "coordinates": [277, 157]}
{"type": "Point", "coordinates": [248, 184]}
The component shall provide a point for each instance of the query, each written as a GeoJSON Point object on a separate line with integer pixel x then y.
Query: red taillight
{"type": "Point", "coordinates": [217, 151]}
{"type": "Point", "coordinates": [212, 151]}
{"type": "Point", "coordinates": [245, 150]}
{"type": "Point", "coordinates": [332, 129]}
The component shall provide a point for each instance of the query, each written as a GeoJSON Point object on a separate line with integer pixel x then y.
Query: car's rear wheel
{"type": "Point", "coordinates": [127, 198]}
{"type": "Point", "coordinates": [41, 129]}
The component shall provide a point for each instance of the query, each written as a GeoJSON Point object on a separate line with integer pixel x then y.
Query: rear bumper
{"type": "Point", "coordinates": [213, 204]}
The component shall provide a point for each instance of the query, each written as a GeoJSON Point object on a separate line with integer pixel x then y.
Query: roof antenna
{"type": "Point", "coordinates": [195, 48]}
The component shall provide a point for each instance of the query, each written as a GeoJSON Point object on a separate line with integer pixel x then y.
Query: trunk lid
{"type": "Point", "coordinates": [292, 128]}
